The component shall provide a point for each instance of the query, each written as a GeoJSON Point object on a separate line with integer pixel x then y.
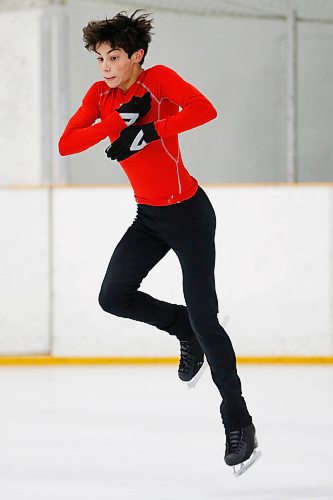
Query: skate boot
{"type": "Point", "coordinates": [241, 449]}
{"type": "Point", "coordinates": [191, 360]}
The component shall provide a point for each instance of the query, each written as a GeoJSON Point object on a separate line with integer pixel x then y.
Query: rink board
{"type": "Point", "coordinates": [273, 272]}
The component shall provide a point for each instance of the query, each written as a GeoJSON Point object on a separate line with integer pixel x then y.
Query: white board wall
{"type": "Point", "coordinates": [273, 271]}
{"type": "Point", "coordinates": [24, 271]}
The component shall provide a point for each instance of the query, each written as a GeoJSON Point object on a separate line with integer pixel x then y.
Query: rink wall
{"type": "Point", "coordinates": [274, 273]}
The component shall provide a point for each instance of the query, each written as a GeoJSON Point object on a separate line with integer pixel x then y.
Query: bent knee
{"type": "Point", "coordinates": [114, 301]}
{"type": "Point", "coordinates": [109, 301]}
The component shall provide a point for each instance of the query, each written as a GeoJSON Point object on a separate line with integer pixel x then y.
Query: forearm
{"type": "Point", "coordinates": [75, 140]}
{"type": "Point", "coordinates": [78, 137]}
{"type": "Point", "coordinates": [197, 111]}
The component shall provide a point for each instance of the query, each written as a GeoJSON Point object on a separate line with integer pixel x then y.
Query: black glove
{"type": "Point", "coordinates": [131, 140]}
{"type": "Point", "coordinates": [135, 108]}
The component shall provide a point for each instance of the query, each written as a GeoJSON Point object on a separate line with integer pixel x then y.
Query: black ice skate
{"type": "Point", "coordinates": [191, 361]}
{"type": "Point", "coordinates": [241, 449]}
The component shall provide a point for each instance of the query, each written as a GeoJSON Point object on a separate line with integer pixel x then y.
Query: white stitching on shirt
{"type": "Point", "coordinates": [100, 95]}
{"type": "Point", "coordinates": [176, 160]}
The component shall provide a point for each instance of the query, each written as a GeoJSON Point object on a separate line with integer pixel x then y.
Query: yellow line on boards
{"type": "Point", "coordinates": [288, 360]}
{"type": "Point", "coordinates": [63, 360]}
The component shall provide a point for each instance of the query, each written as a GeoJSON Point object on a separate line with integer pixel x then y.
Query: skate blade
{"type": "Point", "coordinates": [192, 383]}
{"type": "Point", "coordinates": [244, 466]}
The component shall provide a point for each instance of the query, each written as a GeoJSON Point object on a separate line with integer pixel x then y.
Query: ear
{"type": "Point", "coordinates": [138, 55]}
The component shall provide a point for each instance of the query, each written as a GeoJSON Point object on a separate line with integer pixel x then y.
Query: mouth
{"type": "Point", "coordinates": [109, 78]}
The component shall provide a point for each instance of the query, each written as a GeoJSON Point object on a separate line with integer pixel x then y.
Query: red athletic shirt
{"type": "Point", "coordinates": [156, 172]}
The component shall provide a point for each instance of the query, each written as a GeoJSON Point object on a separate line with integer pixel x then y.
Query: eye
{"type": "Point", "coordinates": [114, 58]}
{"type": "Point", "coordinates": [99, 58]}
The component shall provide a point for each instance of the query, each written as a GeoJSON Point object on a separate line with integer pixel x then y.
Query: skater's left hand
{"type": "Point", "coordinates": [136, 108]}
{"type": "Point", "coordinates": [131, 140]}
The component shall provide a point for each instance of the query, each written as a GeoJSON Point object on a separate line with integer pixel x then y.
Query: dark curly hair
{"type": "Point", "coordinates": [129, 33]}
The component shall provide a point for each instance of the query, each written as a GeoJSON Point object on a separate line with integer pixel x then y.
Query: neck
{"type": "Point", "coordinates": [136, 72]}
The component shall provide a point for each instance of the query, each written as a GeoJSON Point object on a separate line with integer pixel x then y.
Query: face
{"type": "Point", "coordinates": [117, 69]}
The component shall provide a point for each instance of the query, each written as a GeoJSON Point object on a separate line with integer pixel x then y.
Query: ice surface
{"type": "Point", "coordinates": [138, 433]}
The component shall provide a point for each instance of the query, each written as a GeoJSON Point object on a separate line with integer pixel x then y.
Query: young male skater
{"type": "Point", "coordinates": [139, 112]}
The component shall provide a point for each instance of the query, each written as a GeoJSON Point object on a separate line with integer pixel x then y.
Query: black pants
{"type": "Point", "coordinates": [188, 228]}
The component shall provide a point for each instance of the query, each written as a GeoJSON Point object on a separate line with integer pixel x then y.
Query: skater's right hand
{"type": "Point", "coordinates": [136, 108]}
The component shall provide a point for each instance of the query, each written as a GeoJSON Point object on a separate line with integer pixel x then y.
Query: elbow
{"type": "Point", "coordinates": [208, 111]}
{"type": "Point", "coordinates": [213, 112]}
{"type": "Point", "coordinates": [62, 147]}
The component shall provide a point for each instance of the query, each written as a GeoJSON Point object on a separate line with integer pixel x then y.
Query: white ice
{"type": "Point", "coordinates": [138, 433]}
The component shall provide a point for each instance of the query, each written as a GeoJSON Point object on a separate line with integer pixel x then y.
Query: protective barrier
{"type": "Point", "coordinates": [273, 271]}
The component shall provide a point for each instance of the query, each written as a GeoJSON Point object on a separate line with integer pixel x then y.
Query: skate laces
{"type": "Point", "coordinates": [186, 355]}
{"type": "Point", "coordinates": [234, 440]}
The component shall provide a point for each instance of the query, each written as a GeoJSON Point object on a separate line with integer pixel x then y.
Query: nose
{"type": "Point", "coordinates": [106, 66]}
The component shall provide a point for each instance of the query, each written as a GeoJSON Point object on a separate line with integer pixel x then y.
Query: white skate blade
{"type": "Point", "coordinates": [243, 467]}
{"type": "Point", "coordinates": [192, 383]}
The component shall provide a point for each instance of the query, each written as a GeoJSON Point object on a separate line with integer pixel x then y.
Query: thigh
{"type": "Point", "coordinates": [194, 246]}
{"type": "Point", "coordinates": [198, 269]}
{"type": "Point", "coordinates": [134, 256]}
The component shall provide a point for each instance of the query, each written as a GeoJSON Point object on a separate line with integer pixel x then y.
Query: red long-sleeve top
{"type": "Point", "coordinates": [156, 173]}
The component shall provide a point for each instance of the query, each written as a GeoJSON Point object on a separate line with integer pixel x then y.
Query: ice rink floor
{"type": "Point", "coordinates": [138, 433]}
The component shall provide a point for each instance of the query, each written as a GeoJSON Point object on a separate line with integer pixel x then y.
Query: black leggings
{"type": "Point", "coordinates": [188, 228]}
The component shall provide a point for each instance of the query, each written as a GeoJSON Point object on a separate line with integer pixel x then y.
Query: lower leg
{"type": "Point", "coordinates": [220, 355]}
{"type": "Point", "coordinates": [139, 306]}
{"type": "Point", "coordinates": [171, 318]}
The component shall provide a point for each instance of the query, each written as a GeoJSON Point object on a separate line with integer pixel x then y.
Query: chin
{"type": "Point", "coordinates": [112, 84]}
